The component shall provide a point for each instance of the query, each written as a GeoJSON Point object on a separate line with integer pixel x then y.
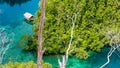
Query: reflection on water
{"type": "Point", "coordinates": [13, 2]}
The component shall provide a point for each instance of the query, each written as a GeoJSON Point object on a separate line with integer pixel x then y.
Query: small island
{"type": "Point", "coordinates": [63, 34]}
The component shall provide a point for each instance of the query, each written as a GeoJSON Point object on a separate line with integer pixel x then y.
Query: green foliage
{"type": "Point", "coordinates": [81, 53]}
{"type": "Point", "coordinates": [46, 65]}
{"type": "Point", "coordinates": [19, 65]}
{"type": "Point", "coordinates": [28, 42]}
{"type": "Point", "coordinates": [30, 64]}
{"type": "Point", "coordinates": [93, 16]}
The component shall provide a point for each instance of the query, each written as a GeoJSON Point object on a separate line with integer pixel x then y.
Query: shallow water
{"type": "Point", "coordinates": [95, 61]}
{"type": "Point", "coordinates": [11, 18]}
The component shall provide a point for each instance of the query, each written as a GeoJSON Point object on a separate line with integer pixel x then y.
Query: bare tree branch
{"type": "Point", "coordinates": [114, 37]}
{"type": "Point", "coordinates": [6, 41]}
{"type": "Point", "coordinates": [65, 57]}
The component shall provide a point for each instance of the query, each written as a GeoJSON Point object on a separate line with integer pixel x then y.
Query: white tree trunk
{"type": "Point", "coordinates": [114, 37]}
{"type": "Point", "coordinates": [108, 57]}
{"type": "Point", "coordinates": [63, 63]}
{"type": "Point", "coordinates": [65, 57]}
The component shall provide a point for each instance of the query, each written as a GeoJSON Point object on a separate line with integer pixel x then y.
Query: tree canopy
{"type": "Point", "coordinates": [93, 17]}
{"type": "Point", "coordinates": [29, 64]}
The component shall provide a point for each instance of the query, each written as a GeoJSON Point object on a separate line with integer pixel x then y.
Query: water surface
{"type": "Point", "coordinates": [11, 18]}
{"type": "Point", "coordinates": [95, 61]}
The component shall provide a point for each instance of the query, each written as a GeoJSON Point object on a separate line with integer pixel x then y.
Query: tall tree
{"type": "Point", "coordinates": [42, 20]}
{"type": "Point", "coordinates": [93, 15]}
{"type": "Point", "coordinates": [69, 49]}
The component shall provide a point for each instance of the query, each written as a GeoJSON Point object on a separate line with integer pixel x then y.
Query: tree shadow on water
{"type": "Point", "coordinates": [13, 2]}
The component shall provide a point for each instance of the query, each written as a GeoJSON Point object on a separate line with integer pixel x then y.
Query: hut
{"type": "Point", "coordinates": [28, 16]}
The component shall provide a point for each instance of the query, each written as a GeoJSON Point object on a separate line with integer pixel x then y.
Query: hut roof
{"type": "Point", "coordinates": [28, 15]}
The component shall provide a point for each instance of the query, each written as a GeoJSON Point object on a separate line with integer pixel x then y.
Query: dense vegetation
{"type": "Point", "coordinates": [29, 64]}
{"type": "Point", "coordinates": [93, 18]}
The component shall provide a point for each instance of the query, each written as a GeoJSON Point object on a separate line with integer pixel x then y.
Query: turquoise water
{"type": "Point", "coordinates": [95, 61]}
{"type": "Point", "coordinates": [11, 18]}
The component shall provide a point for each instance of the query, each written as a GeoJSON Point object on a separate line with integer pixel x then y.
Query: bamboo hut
{"type": "Point", "coordinates": [28, 16]}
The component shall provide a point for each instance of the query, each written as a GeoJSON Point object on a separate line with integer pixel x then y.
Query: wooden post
{"type": "Point", "coordinates": [42, 20]}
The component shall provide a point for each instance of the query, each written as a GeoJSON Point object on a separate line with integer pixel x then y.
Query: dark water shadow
{"type": "Point", "coordinates": [13, 2]}
{"type": "Point", "coordinates": [29, 22]}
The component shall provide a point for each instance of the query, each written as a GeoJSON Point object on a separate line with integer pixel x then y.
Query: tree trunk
{"type": "Point", "coordinates": [40, 51]}
{"type": "Point", "coordinates": [65, 57]}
